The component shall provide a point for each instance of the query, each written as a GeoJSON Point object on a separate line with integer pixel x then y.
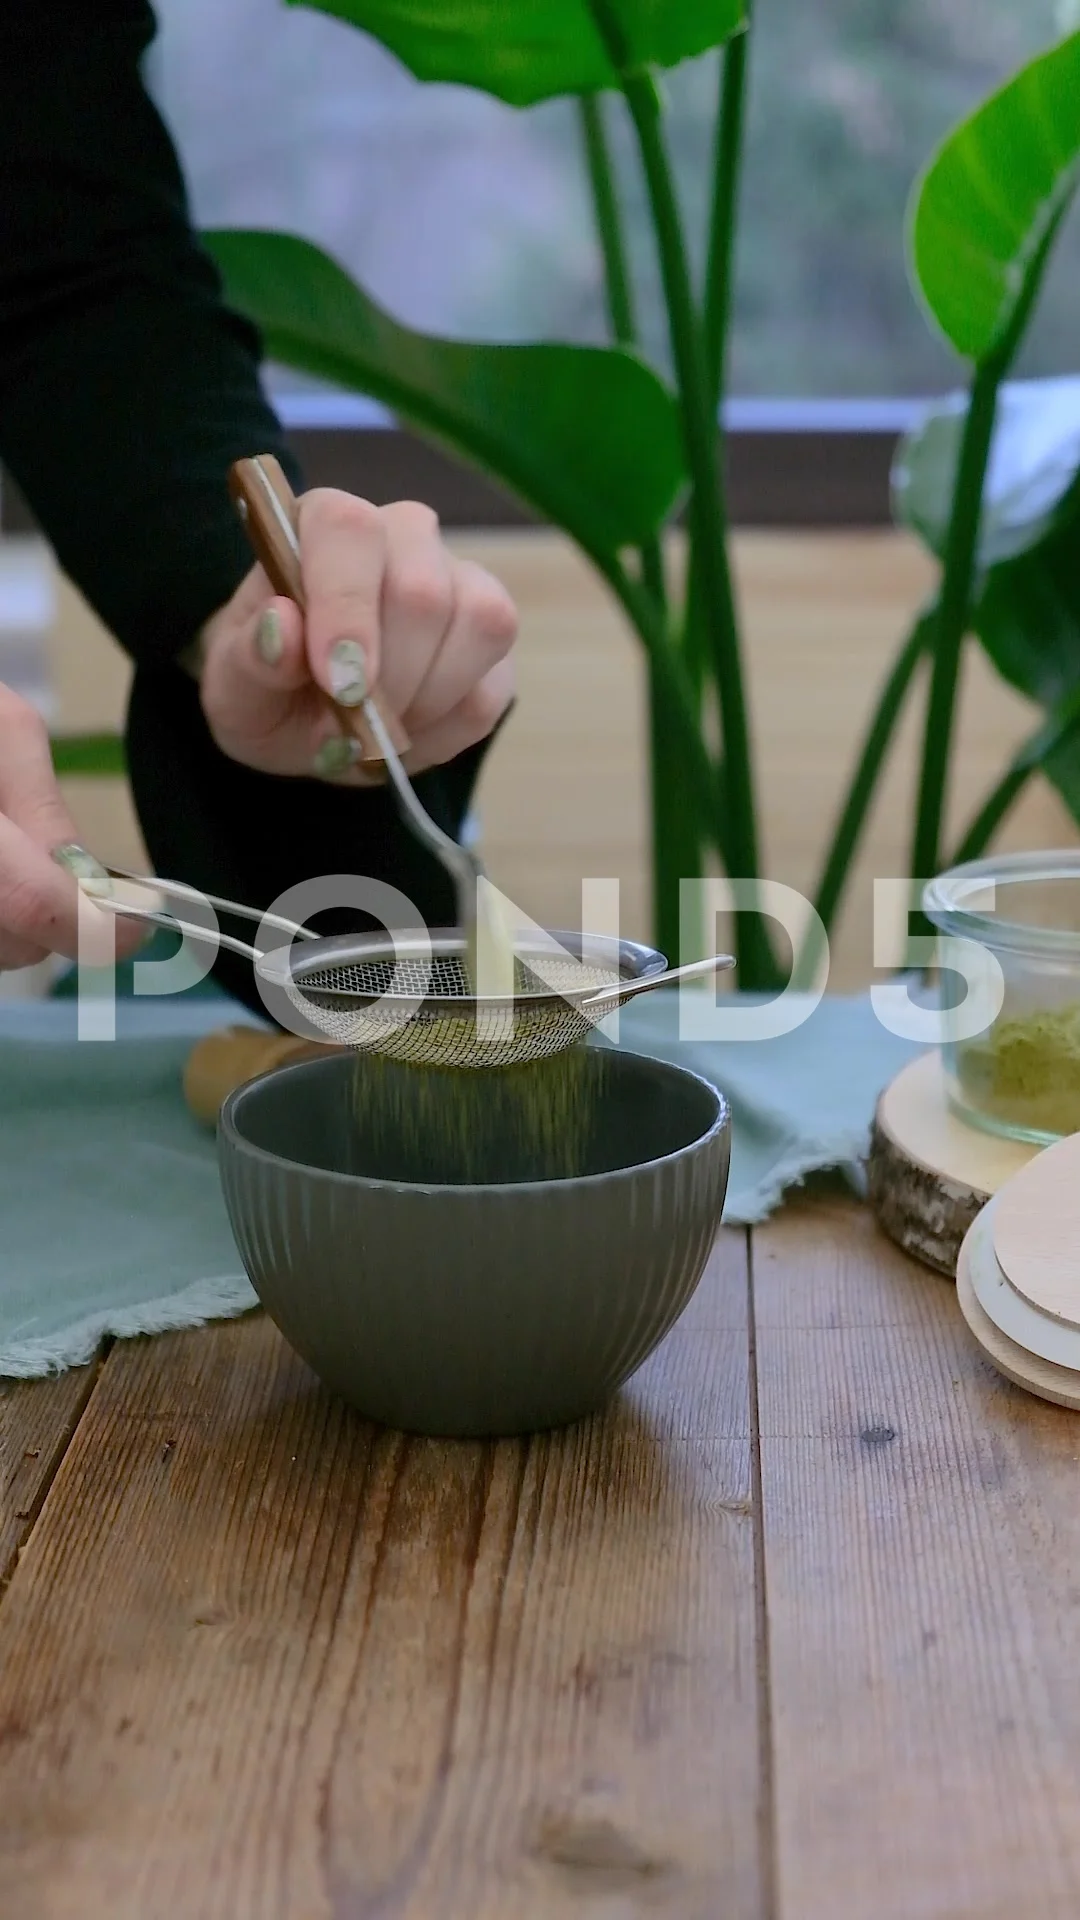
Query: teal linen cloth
{"type": "Point", "coordinates": [111, 1216]}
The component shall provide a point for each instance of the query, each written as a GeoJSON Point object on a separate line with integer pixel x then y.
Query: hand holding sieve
{"type": "Point", "coordinates": [268, 508]}
{"type": "Point", "coordinates": [410, 996]}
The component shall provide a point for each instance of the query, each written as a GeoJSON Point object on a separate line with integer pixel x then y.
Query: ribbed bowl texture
{"type": "Point", "coordinates": [501, 1307]}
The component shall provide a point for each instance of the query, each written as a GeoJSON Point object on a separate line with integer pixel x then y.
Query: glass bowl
{"type": "Point", "coordinates": [1021, 1076]}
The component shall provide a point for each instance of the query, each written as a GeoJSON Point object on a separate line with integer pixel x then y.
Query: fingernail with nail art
{"type": "Point", "coordinates": [348, 673]}
{"type": "Point", "coordinates": [269, 639]}
{"type": "Point", "coordinates": [90, 874]}
{"type": "Point", "coordinates": [336, 756]}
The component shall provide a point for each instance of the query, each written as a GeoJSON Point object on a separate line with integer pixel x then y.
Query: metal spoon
{"type": "Point", "coordinates": [267, 506]}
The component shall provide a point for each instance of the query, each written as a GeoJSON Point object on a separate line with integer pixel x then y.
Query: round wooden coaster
{"type": "Point", "coordinates": [928, 1174]}
{"type": "Point", "coordinates": [1037, 1231]}
{"type": "Point", "coordinates": [1012, 1315]}
{"type": "Point", "coordinates": [1041, 1377]}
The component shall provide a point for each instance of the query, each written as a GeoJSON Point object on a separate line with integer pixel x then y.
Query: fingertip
{"type": "Point", "coordinates": [100, 934]}
{"type": "Point", "coordinates": [289, 614]}
{"type": "Point", "coordinates": [278, 641]}
{"type": "Point", "coordinates": [348, 674]}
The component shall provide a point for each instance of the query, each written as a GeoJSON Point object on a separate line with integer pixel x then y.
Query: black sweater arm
{"type": "Point", "coordinates": [126, 390]}
{"type": "Point", "coordinates": [126, 386]}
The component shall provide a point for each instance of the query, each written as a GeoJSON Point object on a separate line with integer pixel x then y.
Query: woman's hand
{"type": "Point", "coordinates": [40, 910]}
{"type": "Point", "coordinates": [387, 605]}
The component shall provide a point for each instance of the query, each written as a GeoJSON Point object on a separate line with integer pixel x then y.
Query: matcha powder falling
{"type": "Point", "coordinates": [474, 1126]}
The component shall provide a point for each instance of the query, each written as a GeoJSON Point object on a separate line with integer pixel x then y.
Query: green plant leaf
{"type": "Point", "coordinates": [100, 755]}
{"type": "Point", "coordinates": [990, 196]}
{"type": "Point", "coordinates": [1031, 477]}
{"type": "Point", "coordinates": [1055, 740]}
{"type": "Point", "coordinates": [528, 50]}
{"type": "Point", "coordinates": [588, 436]}
{"type": "Point", "coordinates": [1028, 620]}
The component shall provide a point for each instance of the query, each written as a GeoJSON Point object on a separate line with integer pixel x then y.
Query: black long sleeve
{"type": "Point", "coordinates": [127, 388]}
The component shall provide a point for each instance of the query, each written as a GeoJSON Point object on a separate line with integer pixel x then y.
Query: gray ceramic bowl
{"type": "Point", "coordinates": [474, 1309]}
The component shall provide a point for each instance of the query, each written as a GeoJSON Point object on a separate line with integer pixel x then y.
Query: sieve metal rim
{"type": "Point", "coordinates": [289, 966]}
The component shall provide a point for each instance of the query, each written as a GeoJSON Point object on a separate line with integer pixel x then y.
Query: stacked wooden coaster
{"type": "Point", "coordinates": [1018, 1276]}
{"type": "Point", "coordinates": [1004, 1217]}
{"type": "Point", "coordinates": [929, 1175]}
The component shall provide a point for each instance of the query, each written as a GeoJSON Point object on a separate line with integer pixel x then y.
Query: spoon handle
{"type": "Point", "coordinates": [267, 506]}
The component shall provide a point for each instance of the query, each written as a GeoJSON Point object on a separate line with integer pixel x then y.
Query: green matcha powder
{"type": "Point", "coordinates": [471, 1126]}
{"type": "Point", "coordinates": [1026, 1070]}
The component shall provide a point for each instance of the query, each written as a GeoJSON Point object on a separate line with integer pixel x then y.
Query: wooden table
{"type": "Point", "coordinates": [792, 1631]}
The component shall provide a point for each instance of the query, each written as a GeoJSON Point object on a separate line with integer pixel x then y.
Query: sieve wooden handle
{"type": "Point", "coordinates": [251, 483]}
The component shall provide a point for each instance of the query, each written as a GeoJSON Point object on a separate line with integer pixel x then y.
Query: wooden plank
{"type": "Point", "coordinates": [37, 1420]}
{"type": "Point", "coordinates": [261, 1659]}
{"type": "Point", "coordinates": [922, 1570]}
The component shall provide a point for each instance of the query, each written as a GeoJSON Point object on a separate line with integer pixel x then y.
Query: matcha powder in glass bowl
{"type": "Point", "coordinates": [1021, 1076]}
{"type": "Point", "coordinates": [1026, 1071]}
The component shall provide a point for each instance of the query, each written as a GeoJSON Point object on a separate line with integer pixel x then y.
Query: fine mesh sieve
{"type": "Point", "coordinates": [407, 995]}
{"type": "Point", "coordinates": [416, 1006]}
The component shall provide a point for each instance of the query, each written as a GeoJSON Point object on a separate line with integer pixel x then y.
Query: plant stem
{"type": "Point", "coordinates": [953, 613]}
{"type": "Point", "coordinates": [991, 814]}
{"type": "Point", "coordinates": [700, 441]}
{"type": "Point", "coordinates": [708, 520]}
{"type": "Point", "coordinates": [1029, 758]}
{"type": "Point", "coordinates": [617, 287]}
{"type": "Point", "coordinates": [676, 838]}
{"type": "Point", "coordinates": [707, 503]}
{"type": "Point", "coordinates": [720, 257]}
{"type": "Point", "coordinates": [719, 289]}
{"type": "Point", "coordinates": [835, 872]}
{"type": "Point", "coordinates": [670, 674]}
{"type": "Point", "coordinates": [961, 558]}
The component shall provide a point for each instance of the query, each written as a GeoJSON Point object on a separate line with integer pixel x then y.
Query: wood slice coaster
{"type": "Point", "coordinates": [928, 1174]}
{"type": "Point", "coordinates": [1027, 1370]}
{"type": "Point", "coordinates": [1036, 1332]}
{"type": "Point", "coordinates": [1037, 1232]}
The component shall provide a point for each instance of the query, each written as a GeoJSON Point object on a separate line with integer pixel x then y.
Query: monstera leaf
{"type": "Point", "coordinates": [1034, 461]}
{"type": "Point", "coordinates": [528, 50]}
{"type": "Point", "coordinates": [1028, 620]}
{"type": "Point", "coordinates": [588, 436]}
{"type": "Point", "coordinates": [986, 206]}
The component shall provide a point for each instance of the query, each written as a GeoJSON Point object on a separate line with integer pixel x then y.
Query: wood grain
{"type": "Point", "coordinates": [37, 1420]}
{"type": "Point", "coordinates": [922, 1538]}
{"type": "Point", "coordinates": [261, 1659]}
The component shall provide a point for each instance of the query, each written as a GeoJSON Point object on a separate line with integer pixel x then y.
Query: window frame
{"type": "Point", "coordinates": [776, 478]}
{"type": "Point", "coordinates": [796, 464]}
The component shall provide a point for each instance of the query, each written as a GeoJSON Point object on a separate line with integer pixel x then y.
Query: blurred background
{"type": "Point", "coordinates": [466, 217]}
